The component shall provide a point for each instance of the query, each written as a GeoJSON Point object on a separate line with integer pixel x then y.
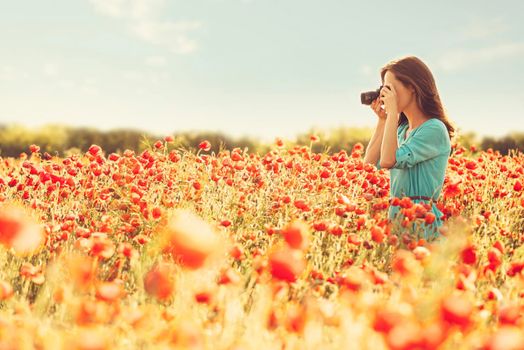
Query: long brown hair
{"type": "Point", "coordinates": [412, 72]}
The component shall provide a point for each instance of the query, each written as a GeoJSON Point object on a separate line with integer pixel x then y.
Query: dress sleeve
{"type": "Point", "coordinates": [428, 142]}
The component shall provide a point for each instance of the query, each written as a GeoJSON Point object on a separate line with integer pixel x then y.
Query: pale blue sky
{"type": "Point", "coordinates": [261, 68]}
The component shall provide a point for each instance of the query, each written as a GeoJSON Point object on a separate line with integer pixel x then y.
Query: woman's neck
{"type": "Point", "coordinates": [415, 116]}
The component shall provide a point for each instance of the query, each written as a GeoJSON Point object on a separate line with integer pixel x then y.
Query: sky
{"type": "Point", "coordinates": [260, 68]}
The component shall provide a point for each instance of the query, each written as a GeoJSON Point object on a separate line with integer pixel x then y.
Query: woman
{"type": "Point", "coordinates": [412, 138]}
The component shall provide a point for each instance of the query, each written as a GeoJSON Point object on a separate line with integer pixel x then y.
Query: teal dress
{"type": "Point", "coordinates": [421, 162]}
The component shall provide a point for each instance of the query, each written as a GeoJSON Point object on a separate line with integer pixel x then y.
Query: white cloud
{"type": "Point", "coordinates": [158, 77]}
{"type": "Point", "coordinates": [141, 77]}
{"type": "Point", "coordinates": [50, 69]}
{"type": "Point", "coordinates": [461, 58]}
{"type": "Point", "coordinates": [132, 9]}
{"type": "Point", "coordinates": [9, 73]}
{"type": "Point", "coordinates": [86, 86]}
{"type": "Point", "coordinates": [132, 75]}
{"type": "Point", "coordinates": [66, 84]}
{"type": "Point", "coordinates": [143, 19]}
{"type": "Point", "coordinates": [483, 28]}
{"type": "Point", "coordinates": [171, 35]}
{"type": "Point", "coordinates": [90, 81]}
{"type": "Point", "coordinates": [156, 61]}
{"type": "Point", "coordinates": [113, 8]}
{"type": "Point", "coordinates": [90, 90]}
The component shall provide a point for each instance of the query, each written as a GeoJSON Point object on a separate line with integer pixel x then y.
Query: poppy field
{"type": "Point", "coordinates": [177, 249]}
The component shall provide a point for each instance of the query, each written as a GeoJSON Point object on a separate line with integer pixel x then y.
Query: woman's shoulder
{"type": "Point", "coordinates": [434, 121]}
{"type": "Point", "coordinates": [435, 124]}
{"type": "Point", "coordinates": [430, 126]}
{"type": "Point", "coordinates": [437, 128]}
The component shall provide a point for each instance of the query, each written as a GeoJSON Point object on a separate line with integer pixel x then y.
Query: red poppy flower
{"type": "Point", "coordinates": [286, 264]}
{"type": "Point", "coordinates": [204, 145]}
{"type": "Point", "coordinates": [189, 238]}
{"type": "Point", "coordinates": [19, 231]}
{"type": "Point", "coordinates": [296, 234]}
{"type": "Point", "coordinates": [160, 281]}
{"type": "Point", "coordinates": [457, 310]}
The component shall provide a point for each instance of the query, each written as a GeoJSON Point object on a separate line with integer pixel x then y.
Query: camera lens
{"type": "Point", "coordinates": [368, 97]}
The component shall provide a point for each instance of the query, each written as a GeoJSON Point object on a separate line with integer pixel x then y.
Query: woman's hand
{"type": "Point", "coordinates": [375, 106]}
{"type": "Point", "coordinates": [388, 96]}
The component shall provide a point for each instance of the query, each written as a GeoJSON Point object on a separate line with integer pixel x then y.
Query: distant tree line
{"type": "Point", "coordinates": [61, 140]}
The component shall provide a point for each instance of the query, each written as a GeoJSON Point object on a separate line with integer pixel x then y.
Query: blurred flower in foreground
{"type": "Point", "coordinates": [160, 281]}
{"type": "Point", "coordinates": [286, 264]}
{"type": "Point", "coordinates": [6, 290]}
{"type": "Point", "coordinates": [18, 230]}
{"type": "Point", "coordinates": [297, 235]}
{"type": "Point", "coordinates": [190, 239]}
{"type": "Point", "coordinates": [505, 338]}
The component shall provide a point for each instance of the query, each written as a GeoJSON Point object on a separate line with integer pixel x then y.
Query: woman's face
{"type": "Point", "coordinates": [405, 96]}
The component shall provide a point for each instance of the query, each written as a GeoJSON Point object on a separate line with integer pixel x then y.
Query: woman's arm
{"type": "Point", "coordinates": [390, 142]}
{"type": "Point", "coordinates": [373, 148]}
{"type": "Point", "coordinates": [429, 140]}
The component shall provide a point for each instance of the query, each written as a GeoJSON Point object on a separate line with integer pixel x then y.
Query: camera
{"type": "Point", "coordinates": [368, 97]}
